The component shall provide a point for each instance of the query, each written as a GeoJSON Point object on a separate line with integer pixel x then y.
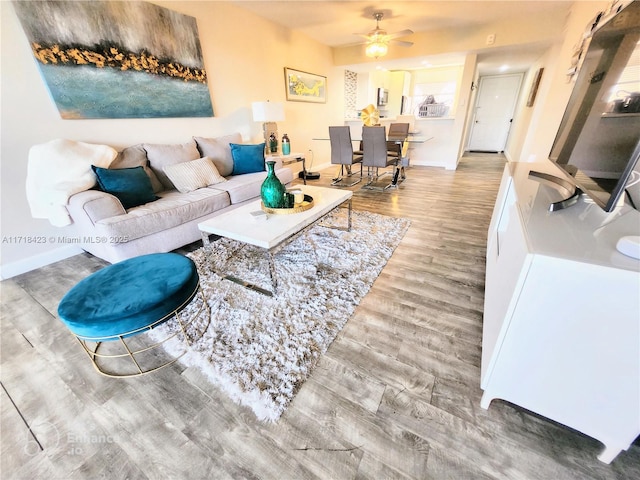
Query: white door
{"type": "Point", "coordinates": [493, 113]}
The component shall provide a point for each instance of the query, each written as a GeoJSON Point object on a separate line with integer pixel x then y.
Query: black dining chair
{"type": "Point", "coordinates": [398, 131]}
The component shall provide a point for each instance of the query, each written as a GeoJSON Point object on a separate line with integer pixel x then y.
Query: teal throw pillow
{"type": "Point", "coordinates": [131, 186]}
{"type": "Point", "coordinates": [247, 158]}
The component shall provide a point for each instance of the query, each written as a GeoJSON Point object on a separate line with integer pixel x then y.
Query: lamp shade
{"type": "Point", "coordinates": [267, 111]}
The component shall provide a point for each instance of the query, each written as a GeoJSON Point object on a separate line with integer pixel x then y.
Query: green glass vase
{"type": "Point", "coordinates": [272, 190]}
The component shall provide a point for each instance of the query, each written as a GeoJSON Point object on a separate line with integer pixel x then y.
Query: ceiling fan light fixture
{"type": "Point", "coordinates": [377, 49]}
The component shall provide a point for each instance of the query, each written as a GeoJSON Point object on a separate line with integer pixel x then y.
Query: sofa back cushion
{"type": "Point", "coordinates": [161, 155]}
{"type": "Point", "coordinates": [219, 151]}
{"type": "Point", "coordinates": [136, 156]}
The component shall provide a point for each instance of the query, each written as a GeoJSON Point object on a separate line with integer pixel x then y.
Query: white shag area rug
{"type": "Point", "coordinates": [260, 349]}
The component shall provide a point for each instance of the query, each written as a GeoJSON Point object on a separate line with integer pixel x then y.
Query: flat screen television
{"type": "Point", "coordinates": [598, 142]}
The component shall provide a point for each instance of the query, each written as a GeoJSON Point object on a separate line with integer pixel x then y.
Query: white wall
{"type": "Point", "coordinates": [523, 114]}
{"type": "Point", "coordinates": [445, 134]}
{"type": "Point", "coordinates": [245, 57]}
{"type": "Point", "coordinates": [554, 89]}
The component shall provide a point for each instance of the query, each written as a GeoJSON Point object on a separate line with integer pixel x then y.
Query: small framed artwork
{"type": "Point", "coordinates": [304, 86]}
{"type": "Point", "coordinates": [534, 87]}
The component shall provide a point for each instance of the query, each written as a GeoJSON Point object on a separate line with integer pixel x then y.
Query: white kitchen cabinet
{"type": "Point", "coordinates": [561, 332]}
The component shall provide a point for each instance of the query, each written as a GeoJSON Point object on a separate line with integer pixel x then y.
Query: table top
{"type": "Point", "coordinates": [293, 157]}
{"type": "Point", "coordinates": [239, 224]}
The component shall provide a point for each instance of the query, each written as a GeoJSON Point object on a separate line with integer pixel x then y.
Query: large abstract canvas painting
{"type": "Point", "coordinates": [116, 59]}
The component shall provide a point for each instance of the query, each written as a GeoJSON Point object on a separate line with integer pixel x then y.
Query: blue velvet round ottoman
{"type": "Point", "coordinates": [129, 298]}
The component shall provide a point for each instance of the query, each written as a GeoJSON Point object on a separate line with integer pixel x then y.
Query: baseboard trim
{"type": "Point", "coordinates": [508, 156]}
{"type": "Point", "coordinates": [317, 168]}
{"type": "Point", "coordinates": [37, 261]}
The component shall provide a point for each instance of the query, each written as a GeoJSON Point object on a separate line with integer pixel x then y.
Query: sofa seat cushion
{"type": "Point", "coordinates": [171, 209]}
{"type": "Point", "coordinates": [247, 186]}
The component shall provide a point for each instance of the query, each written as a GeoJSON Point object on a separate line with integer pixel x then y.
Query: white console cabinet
{"type": "Point", "coordinates": [561, 332]}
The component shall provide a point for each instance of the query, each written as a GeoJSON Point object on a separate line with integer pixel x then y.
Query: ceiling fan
{"type": "Point", "coordinates": [378, 39]}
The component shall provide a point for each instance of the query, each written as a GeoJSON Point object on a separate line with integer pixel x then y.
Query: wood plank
{"type": "Point", "coordinates": [383, 368]}
{"type": "Point", "coordinates": [451, 434]}
{"type": "Point", "coordinates": [355, 385]}
{"type": "Point", "coordinates": [399, 449]}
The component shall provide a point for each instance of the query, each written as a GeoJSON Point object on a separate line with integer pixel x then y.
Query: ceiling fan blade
{"type": "Point", "coordinates": [403, 33]}
{"type": "Point", "coordinates": [401, 43]}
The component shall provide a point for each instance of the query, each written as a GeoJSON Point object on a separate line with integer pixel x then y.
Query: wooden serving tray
{"type": "Point", "coordinates": [306, 204]}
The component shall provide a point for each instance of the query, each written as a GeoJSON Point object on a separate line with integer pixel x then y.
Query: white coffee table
{"type": "Point", "coordinates": [276, 231]}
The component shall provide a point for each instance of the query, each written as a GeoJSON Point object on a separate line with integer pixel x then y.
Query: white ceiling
{"type": "Point", "coordinates": [336, 23]}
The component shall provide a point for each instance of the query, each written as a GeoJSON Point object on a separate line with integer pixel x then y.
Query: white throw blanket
{"type": "Point", "coordinates": [58, 169]}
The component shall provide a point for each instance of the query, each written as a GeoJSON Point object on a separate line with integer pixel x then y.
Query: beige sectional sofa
{"type": "Point", "coordinates": [112, 232]}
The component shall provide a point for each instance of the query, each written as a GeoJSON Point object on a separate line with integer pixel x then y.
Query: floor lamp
{"type": "Point", "coordinates": [269, 113]}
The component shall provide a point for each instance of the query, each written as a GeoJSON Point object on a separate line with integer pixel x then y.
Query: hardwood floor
{"type": "Point", "coordinates": [397, 396]}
